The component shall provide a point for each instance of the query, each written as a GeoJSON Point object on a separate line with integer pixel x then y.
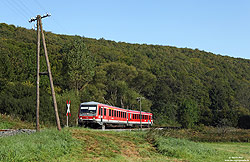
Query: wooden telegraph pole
{"type": "Point", "coordinates": [40, 29]}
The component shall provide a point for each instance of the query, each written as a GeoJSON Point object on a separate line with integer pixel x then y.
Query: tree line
{"type": "Point", "coordinates": [181, 86]}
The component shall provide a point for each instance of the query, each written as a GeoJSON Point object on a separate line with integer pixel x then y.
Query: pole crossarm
{"type": "Point", "coordinates": [36, 18]}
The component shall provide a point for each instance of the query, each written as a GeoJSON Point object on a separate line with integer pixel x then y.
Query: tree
{"type": "Point", "coordinates": [188, 113]}
{"type": "Point", "coordinates": [81, 64]}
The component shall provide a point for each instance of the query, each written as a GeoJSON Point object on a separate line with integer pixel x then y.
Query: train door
{"type": "Point", "coordinates": [109, 113]}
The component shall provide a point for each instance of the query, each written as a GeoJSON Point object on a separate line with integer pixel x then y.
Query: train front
{"type": "Point", "coordinates": [87, 114]}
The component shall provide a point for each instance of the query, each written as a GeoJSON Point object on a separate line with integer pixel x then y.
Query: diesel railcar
{"type": "Point", "coordinates": [95, 114]}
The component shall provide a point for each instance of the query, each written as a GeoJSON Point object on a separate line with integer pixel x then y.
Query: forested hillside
{"type": "Point", "coordinates": [180, 85]}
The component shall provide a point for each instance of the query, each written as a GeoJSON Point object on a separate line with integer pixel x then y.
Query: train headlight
{"type": "Point", "coordinates": [93, 117]}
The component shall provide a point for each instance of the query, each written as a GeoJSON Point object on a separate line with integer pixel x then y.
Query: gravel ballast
{"type": "Point", "coordinates": [12, 132]}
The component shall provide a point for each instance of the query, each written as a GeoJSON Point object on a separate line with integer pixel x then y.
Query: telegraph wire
{"type": "Point", "coordinates": [9, 6]}
{"type": "Point", "coordinates": [27, 8]}
{"type": "Point", "coordinates": [19, 8]}
{"type": "Point", "coordinates": [14, 8]}
{"type": "Point", "coordinates": [40, 5]}
{"type": "Point", "coordinates": [58, 24]}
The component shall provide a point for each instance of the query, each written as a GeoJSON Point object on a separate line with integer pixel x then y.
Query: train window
{"type": "Point", "coordinates": [99, 111]}
{"type": "Point", "coordinates": [104, 112]}
{"type": "Point", "coordinates": [125, 115]}
{"type": "Point", "coordinates": [115, 113]}
{"type": "Point", "coordinates": [109, 112]}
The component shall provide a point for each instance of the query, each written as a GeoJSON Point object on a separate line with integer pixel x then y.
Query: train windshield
{"type": "Point", "coordinates": [88, 110]}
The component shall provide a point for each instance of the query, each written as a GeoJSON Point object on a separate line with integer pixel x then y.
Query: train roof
{"type": "Point", "coordinates": [97, 103]}
{"type": "Point", "coordinates": [90, 103]}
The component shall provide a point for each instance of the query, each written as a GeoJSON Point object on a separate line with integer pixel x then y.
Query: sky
{"type": "Point", "coordinates": [217, 26]}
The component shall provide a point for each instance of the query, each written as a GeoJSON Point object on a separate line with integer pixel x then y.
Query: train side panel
{"type": "Point", "coordinates": [94, 113]}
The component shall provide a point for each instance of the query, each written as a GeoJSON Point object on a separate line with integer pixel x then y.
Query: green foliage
{"type": "Point", "coordinates": [188, 114]}
{"type": "Point", "coordinates": [10, 122]}
{"type": "Point", "coordinates": [19, 99]}
{"type": "Point", "coordinates": [117, 73]}
{"type": "Point", "coordinates": [80, 65]}
{"type": "Point", "coordinates": [74, 106]}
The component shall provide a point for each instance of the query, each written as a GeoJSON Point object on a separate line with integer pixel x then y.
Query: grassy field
{"type": "Point", "coordinates": [46, 145]}
{"type": "Point", "coordinates": [8, 122]}
{"type": "Point", "coordinates": [241, 150]}
{"type": "Point", "coordinates": [81, 144]}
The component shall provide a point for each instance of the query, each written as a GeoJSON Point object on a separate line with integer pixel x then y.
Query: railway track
{"type": "Point", "coordinates": [12, 132]}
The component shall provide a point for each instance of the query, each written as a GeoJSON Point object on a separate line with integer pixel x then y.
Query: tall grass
{"type": "Point", "coordinates": [11, 122]}
{"type": "Point", "coordinates": [46, 145]}
{"type": "Point", "coordinates": [208, 134]}
{"type": "Point", "coordinates": [188, 150]}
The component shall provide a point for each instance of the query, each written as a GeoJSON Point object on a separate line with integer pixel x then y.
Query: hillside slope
{"type": "Point", "coordinates": [180, 85]}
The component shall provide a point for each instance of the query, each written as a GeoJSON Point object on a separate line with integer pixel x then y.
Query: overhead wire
{"type": "Point", "coordinates": [21, 7]}
{"type": "Point", "coordinates": [58, 25]}
{"type": "Point", "coordinates": [13, 7]}
{"type": "Point", "coordinates": [24, 9]}
{"type": "Point", "coordinates": [27, 8]}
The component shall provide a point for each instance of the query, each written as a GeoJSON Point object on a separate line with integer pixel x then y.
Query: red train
{"type": "Point", "coordinates": [97, 114]}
